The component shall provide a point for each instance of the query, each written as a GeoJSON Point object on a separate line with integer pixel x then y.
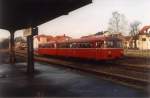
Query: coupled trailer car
{"type": "Point", "coordinates": [94, 48]}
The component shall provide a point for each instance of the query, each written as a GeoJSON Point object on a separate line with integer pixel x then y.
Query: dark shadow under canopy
{"type": "Point", "coordinates": [19, 14]}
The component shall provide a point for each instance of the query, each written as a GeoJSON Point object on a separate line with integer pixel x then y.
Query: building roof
{"type": "Point", "coordinates": [144, 29]}
{"type": "Point", "coordinates": [20, 14]}
{"type": "Point", "coordinates": [61, 37]}
{"type": "Point", "coordinates": [51, 38]}
{"type": "Point", "coordinates": [40, 36]}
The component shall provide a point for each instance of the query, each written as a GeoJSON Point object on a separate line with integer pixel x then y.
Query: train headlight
{"type": "Point", "coordinates": [109, 52]}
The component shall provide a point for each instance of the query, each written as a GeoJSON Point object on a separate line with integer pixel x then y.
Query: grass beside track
{"type": "Point", "coordinates": [137, 53]}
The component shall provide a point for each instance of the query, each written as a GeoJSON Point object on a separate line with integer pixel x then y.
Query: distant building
{"type": "Point", "coordinates": [88, 36]}
{"type": "Point", "coordinates": [104, 33]}
{"type": "Point", "coordinates": [107, 33]}
{"type": "Point", "coordinates": [61, 38]}
{"type": "Point", "coordinates": [43, 39]}
{"type": "Point", "coordinates": [143, 41]}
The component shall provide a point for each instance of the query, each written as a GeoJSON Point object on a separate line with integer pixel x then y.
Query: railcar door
{"type": "Point", "coordinates": [100, 50]}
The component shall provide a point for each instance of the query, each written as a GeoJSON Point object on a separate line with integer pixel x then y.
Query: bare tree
{"type": "Point", "coordinates": [19, 39]}
{"type": "Point", "coordinates": [134, 30]}
{"type": "Point", "coordinates": [117, 23]}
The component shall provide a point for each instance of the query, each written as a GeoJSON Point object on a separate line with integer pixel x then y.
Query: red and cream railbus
{"type": "Point", "coordinates": [95, 48]}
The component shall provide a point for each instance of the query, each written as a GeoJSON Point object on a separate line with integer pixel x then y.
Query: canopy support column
{"type": "Point", "coordinates": [30, 50]}
{"type": "Point", "coordinates": [30, 59]}
{"type": "Point", "coordinates": [12, 47]}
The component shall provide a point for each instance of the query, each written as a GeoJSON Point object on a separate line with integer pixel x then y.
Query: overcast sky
{"type": "Point", "coordinates": [94, 17]}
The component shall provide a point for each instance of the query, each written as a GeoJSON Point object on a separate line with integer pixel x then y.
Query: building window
{"type": "Point", "coordinates": [143, 39]}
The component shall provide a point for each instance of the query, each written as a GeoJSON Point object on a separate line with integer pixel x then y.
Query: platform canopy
{"type": "Point", "coordinates": [19, 14]}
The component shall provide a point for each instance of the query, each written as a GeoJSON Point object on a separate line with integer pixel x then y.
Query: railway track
{"type": "Point", "coordinates": [136, 77]}
{"type": "Point", "coordinates": [120, 66]}
{"type": "Point", "coordinates": [131, 67]}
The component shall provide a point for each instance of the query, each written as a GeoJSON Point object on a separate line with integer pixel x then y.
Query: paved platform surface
{"type": "Point", "coordinates": [50, 81]}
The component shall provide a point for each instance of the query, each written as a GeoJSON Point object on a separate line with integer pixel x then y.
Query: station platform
{"type": "Point", "coordinates": [52, 81]}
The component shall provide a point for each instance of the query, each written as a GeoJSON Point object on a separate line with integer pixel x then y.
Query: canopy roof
{"type": "Point", "coordinates": [19, 14]}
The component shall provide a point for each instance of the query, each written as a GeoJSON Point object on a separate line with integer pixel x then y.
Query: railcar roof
{"type": "Point", "coordinates": [19, 14]}
{"type": "Point", "coordinates": [89, 39]}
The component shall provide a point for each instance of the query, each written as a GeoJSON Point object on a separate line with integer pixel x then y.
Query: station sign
{"type": "Point", "coordinates": [35, 31]}
{"type": "Point", "coordinates": [27, 32]}
{"type": "Point", "coordinates": [30, 31]}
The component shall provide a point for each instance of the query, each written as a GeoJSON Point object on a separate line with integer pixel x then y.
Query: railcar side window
{"type": "Point", "coordinates": [114, 44]}
{"type": "Point", "coordinates": [73, 45]}
{"type": "Point", "coordinates": [100, 44]}
{"type": "Point", "coordinates": [50, 46]}
{"type": "Point", "coordinates": [63, 45]}
{"type": "Point", "coordinates": [46, 46]}
{"type": "Point", "coordinates": [40, 46]}
{"type": "Point", "coordinates": [81, 45]}
{"type": "Point", "coordinates": [85, 45]}
{"type": "Point", "coordinates": [110, 44]}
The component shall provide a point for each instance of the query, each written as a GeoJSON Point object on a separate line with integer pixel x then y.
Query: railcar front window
{"type": "Point", "coordinates": [63, 45]}
{"type": "Point", "coordinates": [114, 44]}
{"type": "Point", "coordinates": [85, 45]}
{"type": "Point", "coordinates": [110, 44]}
{"type": "Point", "coordinates": [81, 45]}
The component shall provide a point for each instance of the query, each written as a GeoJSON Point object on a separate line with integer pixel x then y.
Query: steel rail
{"type": "Point", "coordinates": [122, 78]}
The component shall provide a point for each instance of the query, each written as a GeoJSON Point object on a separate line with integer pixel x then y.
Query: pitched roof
{"type": "Point", "coordinates": [41, 36]}
{"type": "Point", "coordinates": [51, 38]}
{"type": "Point", "coordinates": [61, 37]}
{"type": "Point", "coordinates": [145, 28]}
